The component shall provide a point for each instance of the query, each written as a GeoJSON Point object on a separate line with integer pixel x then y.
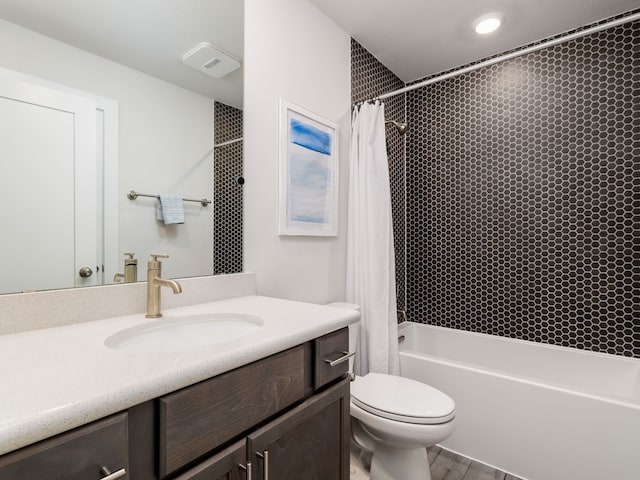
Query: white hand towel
{"type": "Point", "coordinates": [170, 209]}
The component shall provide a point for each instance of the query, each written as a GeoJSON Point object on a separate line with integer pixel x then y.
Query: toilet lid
{"type": "Point", "coordinates": [401, 399]}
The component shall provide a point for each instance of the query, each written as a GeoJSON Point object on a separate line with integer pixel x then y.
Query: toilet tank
{"type": "Point", "coordinates": [354, 329]}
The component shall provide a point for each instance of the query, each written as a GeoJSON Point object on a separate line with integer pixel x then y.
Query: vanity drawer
{"type": "Point", "coordinates": [76, 455]}
{"type": "Point", "coordinates": [196, 420]}
{"type": "Point", "coordinates": [328, 348]}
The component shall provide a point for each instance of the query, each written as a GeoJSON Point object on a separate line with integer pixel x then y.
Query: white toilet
{"type": "Point", "coordinates": [395, 419]}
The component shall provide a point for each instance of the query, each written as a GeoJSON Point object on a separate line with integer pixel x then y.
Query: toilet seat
{"type": "Point", "coordinates": [401, 399]}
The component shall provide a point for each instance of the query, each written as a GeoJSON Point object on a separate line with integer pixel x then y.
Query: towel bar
{"type": "Point", "coordinates": [132, 195]}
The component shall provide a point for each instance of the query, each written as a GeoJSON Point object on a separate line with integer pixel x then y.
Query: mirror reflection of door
{"type": "Point", "coordinates": [47, 187]}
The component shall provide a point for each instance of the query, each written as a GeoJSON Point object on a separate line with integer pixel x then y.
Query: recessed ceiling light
{"type": "Point", "coordinates": [487, 23]}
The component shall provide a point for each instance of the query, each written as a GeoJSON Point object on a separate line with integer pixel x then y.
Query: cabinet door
{"type": "Point", "coordinates": [76, 455]}
{"type": "Point", "coordinates": [310, 442]}
{"type": "Point", "coordinates": [225, 465]}
{"type": "Point", "coordinates": [198, 419]}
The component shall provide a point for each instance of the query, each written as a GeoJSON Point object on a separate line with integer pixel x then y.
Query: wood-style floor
{"type": "Point", "coordinates": [445, 465]}
{"type": "Point", "coordinates": [449, 466]}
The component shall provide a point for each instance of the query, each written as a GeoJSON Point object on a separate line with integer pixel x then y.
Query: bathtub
{"type": "Point", "coordinates": [536, 411]}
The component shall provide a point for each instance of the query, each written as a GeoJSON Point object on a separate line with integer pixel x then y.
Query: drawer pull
{"type": "Point", "coordinates": [247, 469]}
{"type": "Point", "coordinates": [346, 356]}
{"type": "Point", "coordinates": [265, 457]}
{"type": "Point", "coordinates": [107, 475]}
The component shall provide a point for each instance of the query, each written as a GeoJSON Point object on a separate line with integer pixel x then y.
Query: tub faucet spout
{"type": "Point", "coordinates": [154, 282]}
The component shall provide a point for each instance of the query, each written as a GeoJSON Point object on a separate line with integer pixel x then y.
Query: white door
{"type": "Point", "coordinates": [47, 188]}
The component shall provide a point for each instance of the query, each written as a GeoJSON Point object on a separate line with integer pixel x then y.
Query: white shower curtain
{"type": "Point", "coordinates": [370, 257]}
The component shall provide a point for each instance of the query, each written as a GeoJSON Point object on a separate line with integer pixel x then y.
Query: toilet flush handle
{"type": "Point", "coordinates": [346, 356]}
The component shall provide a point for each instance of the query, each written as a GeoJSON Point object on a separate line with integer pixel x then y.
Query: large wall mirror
{"type": "Point", "coordinates": [97, 100]}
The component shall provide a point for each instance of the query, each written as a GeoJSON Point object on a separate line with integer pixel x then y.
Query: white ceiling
{"type": "Point", "coordinates": [147, 35]}
{"type": "Point", "coordinates": [417, 38]}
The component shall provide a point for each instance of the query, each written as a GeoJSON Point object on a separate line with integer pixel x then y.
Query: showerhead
{"type": "Point", "coordinates": [401, 127]}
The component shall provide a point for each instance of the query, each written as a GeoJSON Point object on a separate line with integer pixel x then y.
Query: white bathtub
{"type": "Point", "coordinates": [537, 411]}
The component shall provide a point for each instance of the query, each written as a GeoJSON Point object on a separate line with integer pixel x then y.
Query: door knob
{"type": "Point", "coordinates": [85, 272]}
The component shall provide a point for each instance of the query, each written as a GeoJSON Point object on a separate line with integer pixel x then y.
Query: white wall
{"type": "Point", "coordinates": [292, 51]}
{"type": "Point", "coordinates": [166, 139]}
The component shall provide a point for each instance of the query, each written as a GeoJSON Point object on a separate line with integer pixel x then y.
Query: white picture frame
{"type": "Point", "coordinates": [308, 173]}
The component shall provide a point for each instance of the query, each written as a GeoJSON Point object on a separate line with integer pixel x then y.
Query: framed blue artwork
{"type": "Point", "coordinates": [308, 173]}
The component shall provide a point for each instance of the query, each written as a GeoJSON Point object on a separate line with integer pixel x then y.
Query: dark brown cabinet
{"type": "Point", "coordinates": [86, 453]}
{"type": "Point", "coordinates": [197, 419]}
{"type": "Point", "coordinates": [286, 415]}
{"type": "Point", "coordinates": [307, 442]}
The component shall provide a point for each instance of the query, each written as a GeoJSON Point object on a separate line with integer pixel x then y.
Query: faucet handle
{"type": "Point", "coordinates": [154, 263]}
{"type": "Point", "coordinates": [130, 255]}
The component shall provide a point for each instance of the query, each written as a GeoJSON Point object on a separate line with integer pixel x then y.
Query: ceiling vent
{"type": "Point", "coordinates": [210, 60]}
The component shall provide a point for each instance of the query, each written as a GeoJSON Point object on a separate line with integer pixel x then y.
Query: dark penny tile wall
{"type": "Point", "coordinates": [369, 78]}
{"type": "Point", "coordinates": [523, 186]}
{"type": "Point", "coordinates": [227, 235]}
{"type": "Point", "coordinates": [523, 194]}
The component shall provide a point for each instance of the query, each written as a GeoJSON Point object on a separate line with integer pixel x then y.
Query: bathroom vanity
{"type": "Point", "coordinates": [267, 405]}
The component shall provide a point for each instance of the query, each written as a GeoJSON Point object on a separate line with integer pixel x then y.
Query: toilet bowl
{"type": "Point", "coordinates": [396, 419]}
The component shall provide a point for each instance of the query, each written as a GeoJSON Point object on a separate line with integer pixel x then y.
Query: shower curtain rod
{"type": "Point", "coordinates": [508, 56]}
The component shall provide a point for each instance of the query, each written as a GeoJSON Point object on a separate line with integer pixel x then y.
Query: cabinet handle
{"type": "Point", "coordinates": [107, 475]}
{"type": "Point", "coordinates": [265, 457]}
{"type": "Point", "coordinates": [247, 469]}
{"type": "Point", "coordinates": [346, 356]}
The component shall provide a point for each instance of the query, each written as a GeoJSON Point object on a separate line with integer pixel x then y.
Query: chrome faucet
{"type": "Point", "coordinates": [154, 282]}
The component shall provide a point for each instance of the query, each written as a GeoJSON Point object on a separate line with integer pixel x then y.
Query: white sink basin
{"type": "Point", "coordinates": [179, 333]}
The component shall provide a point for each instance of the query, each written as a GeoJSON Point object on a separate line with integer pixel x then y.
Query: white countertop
{"type": "Point", "coordinates": [56, 379]}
